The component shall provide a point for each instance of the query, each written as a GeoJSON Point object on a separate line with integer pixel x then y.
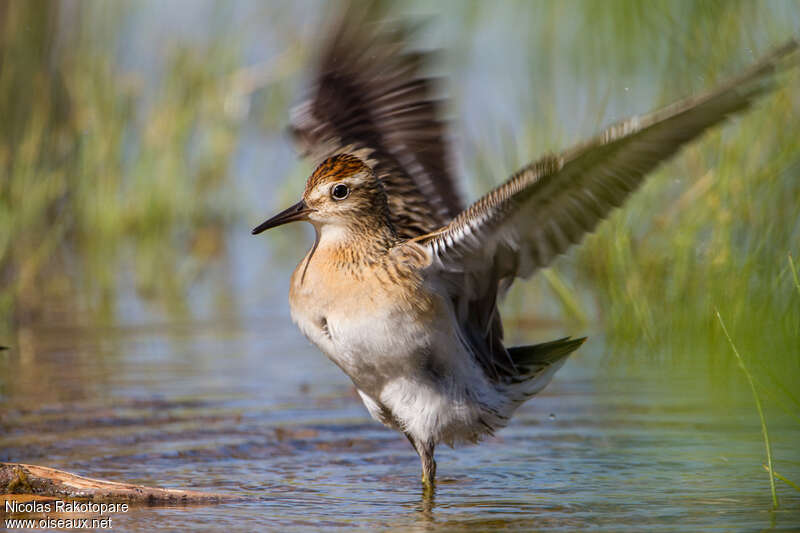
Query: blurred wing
{"type": "Point", "coordinates": [551, 204]}
{"type": "Point", "coordinates": [370, 95]}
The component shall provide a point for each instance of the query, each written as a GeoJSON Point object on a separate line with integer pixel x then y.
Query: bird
{"type": "Point", "coordinates": [400, 287]}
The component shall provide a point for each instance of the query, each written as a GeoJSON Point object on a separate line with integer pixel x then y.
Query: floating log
{"type": "Point", "coordinates": [25, 482]}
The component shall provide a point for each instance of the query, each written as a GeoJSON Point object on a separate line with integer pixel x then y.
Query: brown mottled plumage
{"type": "Point", "coordinates": [400, 287]}
{"type": "Point", "coordinates": [336, 168]}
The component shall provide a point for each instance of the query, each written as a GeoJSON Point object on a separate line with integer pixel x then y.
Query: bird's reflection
{"type": "Point", "coordinates": [427, 504]}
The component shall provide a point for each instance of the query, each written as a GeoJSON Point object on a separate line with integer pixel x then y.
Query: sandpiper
{"type": "Point", "coordinates": [400, 287]}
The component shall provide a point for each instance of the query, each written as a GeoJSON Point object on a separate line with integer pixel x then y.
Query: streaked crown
{"type": "Point", "coordinates": [336, 168]}
{"type": "Point", "coordinates": [343, 189]}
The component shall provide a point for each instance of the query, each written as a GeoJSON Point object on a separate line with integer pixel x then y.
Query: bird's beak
{"type": "Point", "coordinates": [298, 211]}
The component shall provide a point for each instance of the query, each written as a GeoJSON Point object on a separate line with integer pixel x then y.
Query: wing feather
{"type": "Point", "coordinates": [370, 94]}
{"type": "Point", "coordinates": [551, 204]}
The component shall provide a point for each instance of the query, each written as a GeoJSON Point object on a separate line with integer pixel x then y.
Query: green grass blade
{"type": "Point", "coordinates": [566, 296]}
{"type": "Point", "coordinates": [794, 273]}
{"type": "Point", "coordinates": [789, 410]}
{"type": "Point", "coordinates": [764, 432]}
{"type": "Point", "coordinates": [789, 482]}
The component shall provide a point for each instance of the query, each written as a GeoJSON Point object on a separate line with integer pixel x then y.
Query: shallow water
{"type": "Point", "coordinates": [248, 407]}
{"type": "Point", "coordinates": [252, 410]}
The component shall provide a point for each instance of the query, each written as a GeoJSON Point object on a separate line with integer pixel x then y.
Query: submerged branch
{"type": "Point", "coordinates": [24, 479]}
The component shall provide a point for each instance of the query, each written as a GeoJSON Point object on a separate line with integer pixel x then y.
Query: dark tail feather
{"type": "Point", "coordinates": [530, 359]}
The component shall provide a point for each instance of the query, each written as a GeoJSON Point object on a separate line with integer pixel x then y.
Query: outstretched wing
{"type": "Point", "coordinates": [371, 94]}
{"type": "Point", "coordinates": [551, 204]}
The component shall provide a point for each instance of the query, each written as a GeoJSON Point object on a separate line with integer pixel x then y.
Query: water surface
{"type": "Point", "coordinates": [250, 409]}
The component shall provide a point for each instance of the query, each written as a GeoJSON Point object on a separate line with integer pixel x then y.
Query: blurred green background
{"type": "Point", "coordinates": [139, 142]}
{"type": "Point", "coordinates": [138, 138]}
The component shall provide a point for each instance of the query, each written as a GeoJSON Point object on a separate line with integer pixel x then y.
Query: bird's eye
{"type": "Point", "coordinates": [340, 191]}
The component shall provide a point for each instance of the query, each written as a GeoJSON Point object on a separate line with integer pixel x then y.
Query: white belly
{"type": "Point", "coordinates": [405, 358]}
{"type": "Point", "coordinates": [371, 344]}
{"type": "Point", "coordinates": [413, 376]}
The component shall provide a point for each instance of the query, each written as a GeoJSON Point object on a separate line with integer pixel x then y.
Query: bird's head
{"type": "Point", "coordinates": [343, 191]}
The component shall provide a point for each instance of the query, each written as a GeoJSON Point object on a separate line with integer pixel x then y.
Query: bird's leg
{"type": "Point", "coordinates": [428, 465]}
{"type": "Point", "coordinates": [425, 452]}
